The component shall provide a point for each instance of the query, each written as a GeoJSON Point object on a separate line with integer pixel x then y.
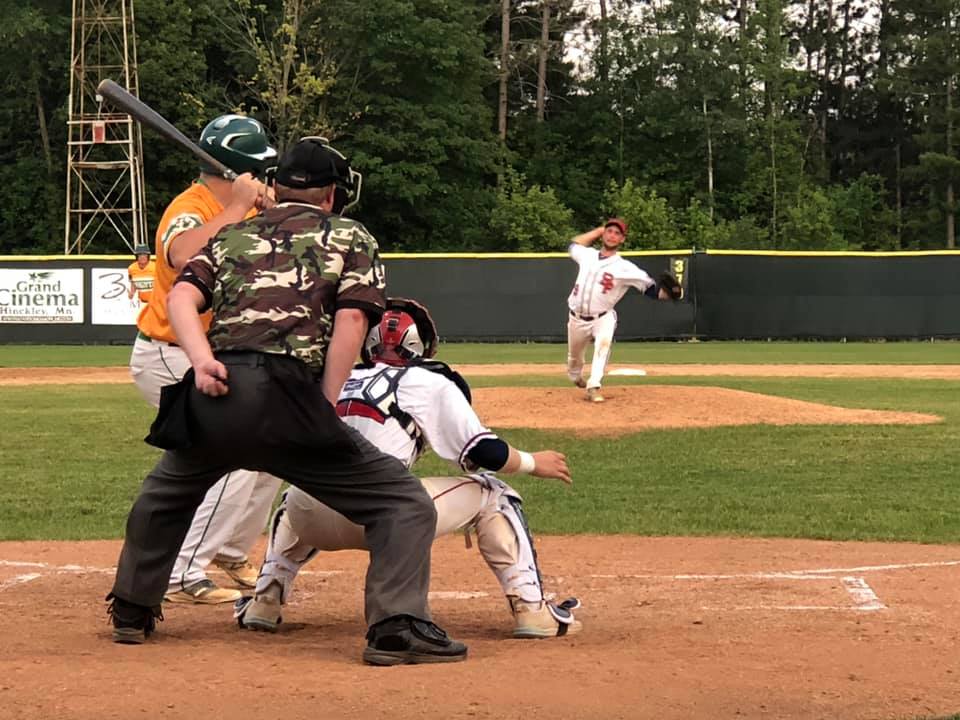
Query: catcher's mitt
{"type": "Point", "coordinates": [669, 284]}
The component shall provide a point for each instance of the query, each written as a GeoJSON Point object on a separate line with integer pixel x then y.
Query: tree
{"type": "Point", "coordinates": [293, 71]}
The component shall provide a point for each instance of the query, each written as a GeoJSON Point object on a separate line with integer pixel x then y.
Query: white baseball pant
{"type": "Point", "coordinates": [235, 510]}
{"type": "Point", "coordinates": [579, 334]}
{"type": "Point", "coordinates": [302, 526]}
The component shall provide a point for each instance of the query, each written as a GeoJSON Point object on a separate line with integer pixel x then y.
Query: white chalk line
{"type": "Point", "coordinates": [863, 596]}
{"type": "Point", "coordinates": [90, 570]}
{"type": "Point", "coordinates": [18, 580]}
{"type": "Point", "coordinates": [818, 574]}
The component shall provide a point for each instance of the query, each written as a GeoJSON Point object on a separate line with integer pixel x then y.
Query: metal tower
{"type": "Point", "coordinates": [105, 198]}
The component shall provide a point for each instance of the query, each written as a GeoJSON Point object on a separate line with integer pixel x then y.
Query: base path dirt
{"type": "Point", "coordinates": [673, 628]}
{"type": "Point", "coordinates": [94, 375]}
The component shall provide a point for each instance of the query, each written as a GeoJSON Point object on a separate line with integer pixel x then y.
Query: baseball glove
{"type": "Point", "coordinates": [669, 284]}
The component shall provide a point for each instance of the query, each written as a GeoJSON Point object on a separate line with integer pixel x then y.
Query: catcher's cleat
{"type": "Point", "coordinates": [544, 619]}
{"type": "Point", "coordinates": [404, 640]}
{"type": "Point", "coordinates": [203, 592]}
{"type": "Point", "coordinates": [261, 612]}
{"type": "Point", "coordinates": [593, 395]}
{"type": "Point", "coordinates": [132, 623]}
{"type": "Point", "coordinates": [242, 572]}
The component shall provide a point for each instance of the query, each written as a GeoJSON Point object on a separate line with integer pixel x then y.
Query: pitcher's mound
{"type": "Point", "coordinates": [630, 409]}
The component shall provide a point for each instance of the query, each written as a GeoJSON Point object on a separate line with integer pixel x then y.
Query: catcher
{"type": "Point", "coordinates": [401, 401]}
{"type": "Point", "coordinates": [603, 279]}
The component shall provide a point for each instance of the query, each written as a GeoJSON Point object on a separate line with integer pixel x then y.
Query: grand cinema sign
{"type": "Point", "coordinates": [41, 296]}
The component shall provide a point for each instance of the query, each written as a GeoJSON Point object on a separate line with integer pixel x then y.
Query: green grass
{"type": "Point", "coordinates": [72, 458]}
{"type": "Point", "coordinates": [941, 352]}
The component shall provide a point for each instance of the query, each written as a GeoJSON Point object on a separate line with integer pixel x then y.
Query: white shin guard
{"type": "Point", "coordinates": [505, 544]}
{"type": "Point", "coordinates": [286, 554]}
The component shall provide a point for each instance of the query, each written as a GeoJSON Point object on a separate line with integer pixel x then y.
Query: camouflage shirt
{"type": "Point", "coordinates": [275, 281]}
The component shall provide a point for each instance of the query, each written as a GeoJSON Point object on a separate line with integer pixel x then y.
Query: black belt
{"type": "Point", "coordinates": [144, 336]}
{"type": "Point", "coordinates": [588, 318]}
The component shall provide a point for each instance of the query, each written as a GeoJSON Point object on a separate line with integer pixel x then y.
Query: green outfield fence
{"type": "Point", "coordinates": [81, 299]}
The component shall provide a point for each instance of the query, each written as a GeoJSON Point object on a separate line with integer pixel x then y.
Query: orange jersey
{"type": "Point", "coordinates": [142, 278]}
{"type": "Point", "coordinates": [192, 208]}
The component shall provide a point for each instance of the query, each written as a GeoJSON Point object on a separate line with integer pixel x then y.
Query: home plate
{"type": "Point", "coordinates": [634, 372]}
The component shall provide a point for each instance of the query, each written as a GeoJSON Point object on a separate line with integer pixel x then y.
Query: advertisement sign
{"type": "Point", "coordinates": [110, 297]}
{"type": "Point", "coordinates": [41, 296]}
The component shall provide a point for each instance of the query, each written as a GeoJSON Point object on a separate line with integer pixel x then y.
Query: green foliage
{"type": "Point", "coordinates": [293, 70]}
{"type": "Point", "coordinates": [809, 223]}
{"type": "Point", "coordinates": [529, 218]}
{"type": "Point", "coordinates": [801, 125]}
{"type": "Point", "coordinates": [861, 216]}
{"type": "Point", "coordinates": [651, 221]}
{"type": "Point", "coordinates": [409, 99]}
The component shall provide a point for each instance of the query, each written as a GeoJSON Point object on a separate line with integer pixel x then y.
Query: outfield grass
{"type": "Point", "coordinates": [72, 458]}
{"type": "Point", "coordinates": [920, 353]}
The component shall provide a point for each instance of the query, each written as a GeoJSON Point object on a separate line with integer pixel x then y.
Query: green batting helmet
{"type": "Point", "coordinates": [240, 143]}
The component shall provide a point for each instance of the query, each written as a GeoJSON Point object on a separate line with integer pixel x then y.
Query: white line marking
{"type": "Point", "coordinates": [18, 580]}
{"type": "Point", "coordinates": [864, 598]}
{"type": "Point", "coordinates": [81, 569]}
{"type": "Point", "coordinates": [880, 568]}
{"type": "Point", "coordinates": [456, 595]}
{"type": "Point", "coordinates": [820, 573]}
{"type": "Point", "coordinates": [831, 608]}
{"type": "Point", "coordinates": [731, 576]}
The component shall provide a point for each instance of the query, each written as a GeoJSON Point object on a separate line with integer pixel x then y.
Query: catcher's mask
{"type": "Point", "coordinates": [405, 333]}
{"type": "Point", "coordinates": [313, 162]}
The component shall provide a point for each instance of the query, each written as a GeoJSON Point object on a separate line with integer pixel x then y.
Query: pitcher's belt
{"type": "Point", "coordinates": [588, 318]}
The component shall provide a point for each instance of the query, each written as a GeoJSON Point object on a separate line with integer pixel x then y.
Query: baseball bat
{"type": "Point", "coordinates": [148, 117]}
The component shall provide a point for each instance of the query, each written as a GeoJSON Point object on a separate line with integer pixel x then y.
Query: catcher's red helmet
{"type": "Point", "coordinates": [405, 332]}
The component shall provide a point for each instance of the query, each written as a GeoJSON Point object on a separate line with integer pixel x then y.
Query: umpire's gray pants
{"type": "Point", "coordinates": [262, 424]}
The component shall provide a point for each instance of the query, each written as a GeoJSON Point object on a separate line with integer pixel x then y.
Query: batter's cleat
{"type": "Point", "coordinates": [132, 623]}
{"type": "Point", "coordinates": [240, 571]}
{"type": "Point", "coordinates": [544, 619]}
{"type": "Point", "coordinates": [203, 592]}
{"type": "Point", "coordinates": [580, 383]}
{"type": "Point", "coordinates": [261, 612]}
{"type": "Point", "coordinates": [404, 640]}
{"type": "Point", "coordinates": [593, 395]}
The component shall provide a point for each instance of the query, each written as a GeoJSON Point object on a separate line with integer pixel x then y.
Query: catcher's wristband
{"type": "Point", "coordinates": [527, 463]}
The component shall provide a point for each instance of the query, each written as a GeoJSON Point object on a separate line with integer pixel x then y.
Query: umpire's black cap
{"type": "Point", "coordinates": [309, 164]}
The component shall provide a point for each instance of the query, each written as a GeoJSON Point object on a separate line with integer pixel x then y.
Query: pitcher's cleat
{"type": "Point", "coordinates": [593, 395]}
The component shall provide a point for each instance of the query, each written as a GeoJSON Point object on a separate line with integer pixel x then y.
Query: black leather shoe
{"type": "Point", "coordinates": [404, 640]}
{"type": "Point", "coordinates": [132, 623]}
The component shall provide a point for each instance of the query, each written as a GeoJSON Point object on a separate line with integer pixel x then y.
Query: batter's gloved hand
{"type": "Point", "coordinates": [669, 288]}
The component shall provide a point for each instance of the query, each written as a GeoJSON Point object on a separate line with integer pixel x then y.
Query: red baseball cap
{"type": "Point", "coordinates": [618, 222]}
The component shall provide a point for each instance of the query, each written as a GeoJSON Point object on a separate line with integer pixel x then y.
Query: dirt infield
{"type": "Point", "coordinates": [93, 375]}
{"type": "Point", "coordinates": [673, 627]}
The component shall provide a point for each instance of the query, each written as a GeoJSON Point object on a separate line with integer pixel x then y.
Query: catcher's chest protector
{"type": "Point", "coordinates": [373, 395]}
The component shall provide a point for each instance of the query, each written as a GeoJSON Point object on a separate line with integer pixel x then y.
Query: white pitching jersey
{"type": "Point", "coordinates": [399, 408]}
{"type": "Point", "coordinates": [601, 282]}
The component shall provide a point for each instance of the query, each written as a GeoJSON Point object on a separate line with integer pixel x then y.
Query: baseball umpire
{"type": "Point", "coordinates": [293, 291]}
